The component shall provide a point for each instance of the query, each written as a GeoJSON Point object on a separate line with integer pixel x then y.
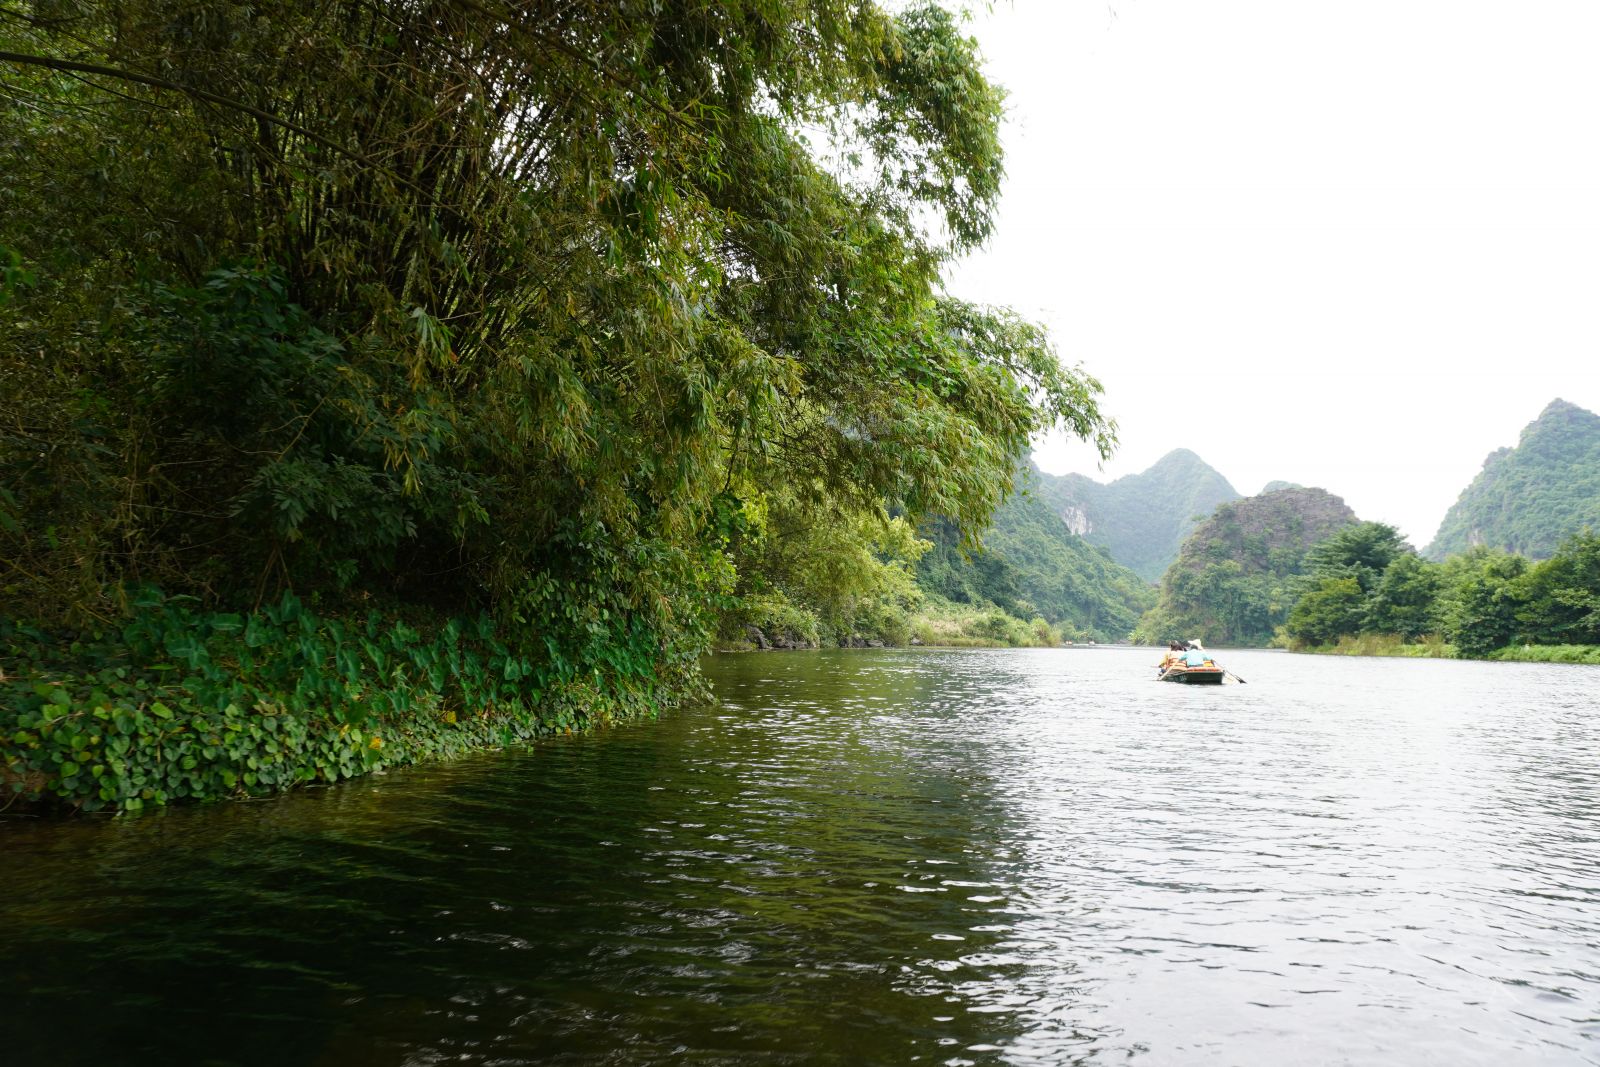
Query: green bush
{"type": "Point", "coordinates": [889, 623]}
{"type": "Point", "coordinates": [994, 625]}
{"type": "Point", "coordinates": [1044, 635]}
{"type": "Point", "coordinates": [773, 613]}
{"type": "Point", "coordinates": [180, 704]}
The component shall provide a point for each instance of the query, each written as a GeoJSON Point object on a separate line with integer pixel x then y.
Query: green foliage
{"type": "Point", "coordinates": [1480, 600]}
{"type": "Point", "coordinates": [1362, 551]}
{"type": "Point", "coordinates": [1340, 594]}
{"type": "Point", "coordinates": [1404, 600]}
{"type": "Point", "coordinates": [1432, 646]}
{"type": "Point", "coordinates": [1031, 563]}
{"type": "Point", "coordinates": [944, 623]}
{"type": "Point", "coordinates": [13, 275]}
{"type": "Point", "coordinates": [1064, 577]}
{"type": "Point", "coordinates": [978, 576]}
{"type": "Point", "coordinates": [553, 318]}
{"type": "Point", "coordinates": [1548, 653]}
{"type": "Point", "coordinates": [820, 577]}
{"type": "Point", "coordinates": [1529, 498]}
{"type": "Point", "coordinates": [179, 703]}
{"type": "Point", "coordinates": [1222, 601]}
{"type": "Point", "coordinates": [1330, 609]}
{"type": "Point", "coordinates": [1561, 596]}
{"type": "Point", "coordinates": [776, 618]}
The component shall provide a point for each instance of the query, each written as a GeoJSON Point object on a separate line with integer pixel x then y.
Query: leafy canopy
{"type": "Point", "coordinates": [475, 306]}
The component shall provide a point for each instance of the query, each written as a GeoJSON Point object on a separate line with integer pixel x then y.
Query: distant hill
{"type": "Point", "coordinates": [1273, 487]}
{"type": "Point", "coordinates": [1530, 498]}
{"type": "Point", "coordinates": [1229, 585]}
{"type": "Point", "coordinates": [1141, 519]}
{"type": "Point", "coordinates": [1033, 564]}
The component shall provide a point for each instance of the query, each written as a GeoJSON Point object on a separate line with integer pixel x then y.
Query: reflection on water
{"type": "Point", "coordinates": [1032, 856]}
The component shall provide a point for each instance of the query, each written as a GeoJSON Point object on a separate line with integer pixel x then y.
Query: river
{"type": "Point", "coordinates": [945, 857]}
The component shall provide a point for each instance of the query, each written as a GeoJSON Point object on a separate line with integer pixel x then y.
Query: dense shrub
{"type": "Point", "coordinates": [179, 703]}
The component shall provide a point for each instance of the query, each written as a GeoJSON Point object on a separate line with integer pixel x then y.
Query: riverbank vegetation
{"type": "Point", "coordinates": [516, 352]}
{"type": "Point", "coordinates": [1366, 588]}
{"type": "Point", "coordinates": [180, 702]}
{"type": "Point", "coordinates": [1430, 646]}
{"type": "Point", "coordinates": [1548, 653]}
{"type": "Point", "coordinates": [945, 624]}
{"type": "Point", "coordinates": [1296, 569]}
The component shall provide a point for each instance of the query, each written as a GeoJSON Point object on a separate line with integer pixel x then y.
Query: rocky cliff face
{"type": "Point", "coordinates": [1260, 533]}
{"type": "Point", "coordinates": [1529, 498]}
{"type": "Point", "coordinates": [1077, 519]}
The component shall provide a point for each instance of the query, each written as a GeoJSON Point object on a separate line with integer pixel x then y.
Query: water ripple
{"type": "Point", "coordinates": [1025, 857]}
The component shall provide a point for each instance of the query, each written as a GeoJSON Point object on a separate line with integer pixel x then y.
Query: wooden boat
{"type": "Point", "coordinates": [1208, 674]}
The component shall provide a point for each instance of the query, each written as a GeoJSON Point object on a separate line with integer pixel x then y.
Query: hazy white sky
{"type": "Point", "coordinates": [1353, 245]}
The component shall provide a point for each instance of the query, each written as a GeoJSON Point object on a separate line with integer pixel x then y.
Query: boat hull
{"type": "Point", "coordinates": [1193, 675]}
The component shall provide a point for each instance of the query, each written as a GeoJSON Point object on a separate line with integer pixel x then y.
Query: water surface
{"type": "Point", "coordinates": [1009, 857]}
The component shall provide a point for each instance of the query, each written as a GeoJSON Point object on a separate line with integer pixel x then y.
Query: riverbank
{"type": "Point", "coordinates": [1431, 647]}
{"type": "Point", "coordinates": [934, 623]}
{"type": "Point", "coordinates": [1548, 653]}
{"type": "Point", "coordinates": [1435, 647]}
{"type": "Point", "coordinates": [180, 705]}
{"type": "Point", "coordinates": [176, 704]}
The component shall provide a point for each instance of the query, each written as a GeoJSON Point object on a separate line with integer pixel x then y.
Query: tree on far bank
{"type": "Point", "coordinates": [1332, 608]}
{"type": "Point", "coordinates": [1561, 596]}
{"type": "Point", "coordinates": [1363, 552]}
{"type": "Point", "coordinates": [1480, 599]}
{"type": "Point", "coordinates": [1404, 600]}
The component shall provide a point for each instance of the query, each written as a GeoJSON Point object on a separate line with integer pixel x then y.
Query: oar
{"type": "Point", "coordinates": [1235, 677]}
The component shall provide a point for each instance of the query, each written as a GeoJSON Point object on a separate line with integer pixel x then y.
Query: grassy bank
{"type": "Point", "coordinates": [943, 623]}
{"type": "Point", "coordinates": [179, 705]}
{"type": "Point", "coordinates": [1435, 647]}
{"type": "Point", "coordinates": [1548, 653]}
{"type": "Point", "coordinates": [1430, 647]}
{"type": "Point", "coordinates": [917, 618]}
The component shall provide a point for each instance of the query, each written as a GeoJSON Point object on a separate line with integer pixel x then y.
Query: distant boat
{"type": "Point", "coordinates": [1206, 674]}
{"type": "Point", "coordinates": [1191, 665]}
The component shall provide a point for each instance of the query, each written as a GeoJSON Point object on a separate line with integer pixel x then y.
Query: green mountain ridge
{"type": "Point", "coordinates": [1140, 519]}
{"type": "Point", "coordinates": [1031, 564]}
{"type": "Point", "coordinates": [1530, 498]}
{"type": "Point", "coordinates": [1232, 581]}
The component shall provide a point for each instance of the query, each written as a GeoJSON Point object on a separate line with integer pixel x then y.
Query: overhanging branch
{"type": "Point", "coordinates": [73, 66]}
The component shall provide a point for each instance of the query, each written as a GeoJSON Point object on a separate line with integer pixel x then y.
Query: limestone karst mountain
{"type": "Point", "coordinates": [1230, 583]}
{"type": "Point", "coordinates": [1528, 499]}
{"type": "Point", "coordinates": [1141, 519]}
{"type": "Point", "coordinates": [1034, 564]}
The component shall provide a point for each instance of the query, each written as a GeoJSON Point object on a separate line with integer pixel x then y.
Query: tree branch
{"type": "Point", "coordinates": [68, 65]}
